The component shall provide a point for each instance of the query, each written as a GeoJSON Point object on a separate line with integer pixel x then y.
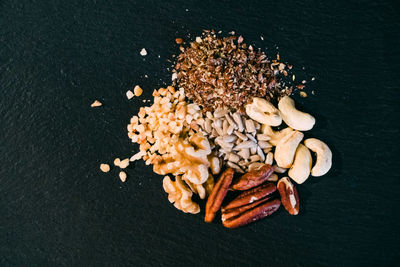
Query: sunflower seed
{"type": "Point", "coordinates": [207, 125]}
{"type": "Point", "coordinates": [253, 149]}
{"type": "Point", "coordinates": [264, 144]}
{"type": "Point", "coordinates": [250, 126]}
{"type": "Point", "coordinates": [235, 166]}
{"type": "Point", "coordinates": [241, 135]}
{"type": "Point", "coordinates": [251, 138]}
{"type": "Point", "coordinates": [225, 127]}
{"type": "Point", "coordinates": [260, 153]}
{"type": "Point", "coordinates": [255, 158]}
{"type": "Point", "coordinates": [244, 153]}
{"type": "Point", "coordinates": [230, 130]}
{"type": "Point", "coordinates": [220, 112]}
{"type": "Point", "coordinates": [255, 166]}
{"type": "Point", "coordinates": [229, 138]}
{"type": "Point", "coordinates": [233, 158]}
{"type": "Point", "coordinates": [245, 144]}
{"type": "Point", "coordinates": [230, 120]}
{"type": "Point", "coordinates": [279, 169]}
{"type": "Point", "coordinates": [238, 119]}
{"type": "Point", "coordinates": [270, 158]}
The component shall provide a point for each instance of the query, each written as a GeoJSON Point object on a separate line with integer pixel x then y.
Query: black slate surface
{"type": "Point", "coordinates": [56, 207]}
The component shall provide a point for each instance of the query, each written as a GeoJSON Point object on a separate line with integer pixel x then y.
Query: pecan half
{"type": "Point", "coordinates": [227, 214]}
{"type": "Point", "coordinates": [251, 195]}
{"type": "Point", "coordinates": [253, 178]}
{"type": "Point", "coordinates": [254, 214]}
{"type": "Point", "coordinates": [289, 196]}
{"type": "Point", "coordinates": [218, 194]}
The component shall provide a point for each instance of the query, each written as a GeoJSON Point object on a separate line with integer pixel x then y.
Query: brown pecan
{"type": "Point", "coordinates": [254, 214]}
{"type": "Point", "coordinates": [218, 194]}
{"type": "Point", "coordinates": [253, 178]}
{"type": "Point", "coordinates": [227, 214]}
{"type": "Point", "coordinates": [250, 196]}
{"type": "Point", "coordinates": [289, 196]}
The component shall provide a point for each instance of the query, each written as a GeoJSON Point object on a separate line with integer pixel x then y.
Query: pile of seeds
{"type": "Point", "coordinates": [225, 72]}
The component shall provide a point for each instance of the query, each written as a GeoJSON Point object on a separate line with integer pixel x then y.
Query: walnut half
{"type": "Point", "coordinates": [180, 195]}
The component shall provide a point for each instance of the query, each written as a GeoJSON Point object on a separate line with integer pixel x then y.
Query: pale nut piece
{"type": "Point", "coordinates": [286, 148]}
{"type": "Point", "coordinates": [294, 118]}
{"type": "Point", "coordinates": [324, 156]}
{"type": "Point", "coordinates": [263, 112]}
{"type": "Point", "coordinates": [180, 195]}
{"type": "Point", "coordinates": [215, 164]}
{"type": "Point", "coordinates": [301, 166]}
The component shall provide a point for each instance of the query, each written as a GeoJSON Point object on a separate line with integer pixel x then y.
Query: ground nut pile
{"type": "Point", "coordinates": [225, 72]}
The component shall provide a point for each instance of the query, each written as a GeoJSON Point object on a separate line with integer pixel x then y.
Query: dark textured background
{"type": "Point", "coordinates": [56, 208]}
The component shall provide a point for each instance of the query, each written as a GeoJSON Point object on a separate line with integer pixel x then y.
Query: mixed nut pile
{"type": "Point", "coordinates": [215, 131]}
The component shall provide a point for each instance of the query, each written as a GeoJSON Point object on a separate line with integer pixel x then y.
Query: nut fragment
{"type": "Point", "coordinates": [104, 167]}
{"type": "Point", "coordinates": [180, 195]}
{"type": "Point", "coordinates": [129, 94]}
{"type": "Point", "coordinates": [122, 176]}
{"type": "Point", "coordinates": [218, 194]}
{"type": "Point", "coordinates": [301, 167]}
{"type": "Point", "coordinates": [286, 148]}
{"type": "Point", "coordinates": [324, 156]}
{"type": "Point", "coordinates": [137, 90]}
{"type": "Point", "coordinates": [96, 103]}
{"type": "Point", "coordinates": [289, 196]}
{"type": "Point", "coordinates": [124, 163]}
{"type": "Point", "coordinates": [253, 178]}
{"type": "Point", "coordinates": [294, 118]}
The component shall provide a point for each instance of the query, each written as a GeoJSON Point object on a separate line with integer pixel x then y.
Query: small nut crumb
{"type": "Point", "coordinates": [294, 77]}
{"type": "Point", "coordinates": [313, 79]}
{"type": "Point", "coordinates": [138, 91]}
{"type": "Point", "coordinates": [122, 176]}
{"type": "Point", "coordinates": [129, 94]}
{"type": "Point", "coordinates": [117, 162]}
{"type": "Point", "coordinates": [198, 39]}
{"type": "Point", "coordinates": [143, 52]}
{"type": "Point", "coordinates": [303, 94]}
{"type": "Point", "coordinates": [96, 103]}
{"type": "Point", "coordinates": [104, 167]}
{"type": "Point", "coordinates": [178, 40]}
{"type": "Point", "coordinates": [124, 163]}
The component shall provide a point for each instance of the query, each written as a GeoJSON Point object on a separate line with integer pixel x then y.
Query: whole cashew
{"type": "Point", "coordinates": [286, 148]}
{"type": "Point", "coordinates": [324, 156]}
{"type": "Point", "coordinates": [294, 118]}
{"type": "Point", "coordinates": [276, 136]}
{"type": "Point", "coordinates": [263, 112]}
{"type": "Point", "coordinates": [301, 167]}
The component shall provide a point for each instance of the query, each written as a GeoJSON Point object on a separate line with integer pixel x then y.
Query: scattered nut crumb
{"type": "Point", "coordinates": [303, 94]}
{"type": "Point", "coordinates": [198, 39]}
{"type": "Point", "coordinates": [117, 162]}
{"type": "Point", "coordinates": [178, 40]}
{"type": "Point", "coordinates": [143, 52]}
{"type": "Point", "coordinates": [96, 103]}
{"type": "Point", "coordinates": [303, 81]}
{"type": "Point", "coordinates": [300, 86]}
{"type": "Point", "coordinates": [313, 79]}
{"type": "Point", "coordinates": [124, 163]}
{"type": "Point", "coordinates": [262, 38]}
{"type": "Point", "coordinates": [138, 91]}
{"type": "Point", "coordinates": [122, 176]}
{"type": "Point", "coordinates": [293, 77]}
{"type": "Point", "coordinates": [104, 167]}
{"type": "Point", "coordinates": [129, 94]}
{"type": "Point", "coordinates": [174, 76]}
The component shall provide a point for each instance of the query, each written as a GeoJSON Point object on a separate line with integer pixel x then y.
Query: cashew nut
{"type": "Point", "coordinates": [294, 118]}
{"type": "Point", "coordinates": [263, 112]}
{"type": "Point", "coordinates": [286, 148]}
{"type": "Point", "coordinates": [324, 156]}
{"type": "Point", "coordinates": [275, 136]}
{"type": "Point", "coordinates": [301, 167]}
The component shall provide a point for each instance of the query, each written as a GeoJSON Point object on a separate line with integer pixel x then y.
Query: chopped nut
{"type": "Point", "coordinates": [129, 94]}
{"type": "Point", "coordinates": [104, 167]}
{"type": "Point", "coordinates": [137, 90]}
{"type": "Point", "coordinates": [122, 176]}
{"type": "Point", "coordinates": [178, 40]}
{"type": "Point", "coordinates": [143, 52]}
{"type": "Point", "coordinates": [117, 162]}
{"type": "Point", "coordinates": [96, 103]}
{"type": "Point", "coordinates": [303, 94]}
{"type": "Point", "coordinates": [124, 163]}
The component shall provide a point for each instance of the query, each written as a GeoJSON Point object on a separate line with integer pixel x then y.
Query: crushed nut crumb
{"type": "Point", "coordinates": [122, 176]}
{"type": "Point", "coordinates": [96, 103]}
{"type": "Point", "coordinates": [143, 52]}
{"type": "Point", "coordinates": [129, 94]}
{"type": "Point", "coordinates": [104, 167]}
{"type": "Point", "coordinates": [138, 91]}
